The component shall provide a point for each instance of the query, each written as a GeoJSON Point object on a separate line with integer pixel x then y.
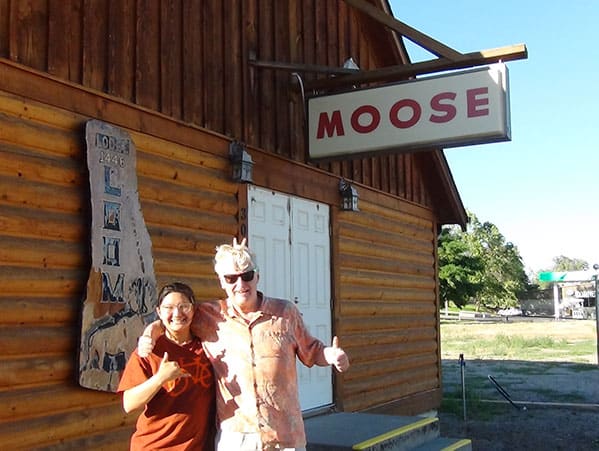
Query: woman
{"type": "Point", "coordinates": [175, 382]}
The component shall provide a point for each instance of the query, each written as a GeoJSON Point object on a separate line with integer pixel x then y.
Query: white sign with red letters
{"type": "Point", "coordinates": [457, 109]}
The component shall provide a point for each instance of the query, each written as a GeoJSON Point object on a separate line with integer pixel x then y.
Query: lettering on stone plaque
{"type": "Point", "coordinates": [121, 289]}
{"type": "Point", "coordinates": [111, 251]}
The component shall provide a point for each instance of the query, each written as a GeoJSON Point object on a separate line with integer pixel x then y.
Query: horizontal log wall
{"type": "Point", "coordinates": [383, 271]}
{"type": "Point", "coordinates": [386, 309]}
{"type": "Point", "coordinates": [191, 61]}
{"type": "Point", "coordinates": [189, 206]}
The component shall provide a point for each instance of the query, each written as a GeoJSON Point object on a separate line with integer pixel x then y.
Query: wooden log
{"type": "Point", "coordinates": [19, 341]}
{"type": "Point", "coordinates": [35, 370]}
{"type": "Point", "coordinates": [349, 325]}
{"type": "Point", "coordinates": [426, 377]}
{"type": "Point", "coordinates": [403, 295]}
{"type": "Point", "coordinates": [114, 440]}
{"type": "Point", "coordinates": [41, 195]}
{"type": "Point", "coordinates": [34, 112]}
{"type": "Point", "coordinates": [408, 279]}
{"type": "Point", "coordinates": [409, 214]}
{"type": "Point", "coordinates": [41, 253]}
{"type": "Point", "coordinates": [186, 175]}
{"type": "Point", "coordinates": [47, 309]}
{"type": "Point", "coordinates": [22, 81]}
{"type": "Point", "coordinates": [42, 138]}
{"type": "Point", "coordinates": [396, 239]}
{"type": "Point", "coordinates": [403, 335]}
{"type": "Point", "coordinates": [386, 266]}
{"type": "Point", "coordinates": [183, 265]}
{"type": "Point", "coordinates": [22, 221]}
{"type": "Point", "coordinates": [199, 155]}
{"type": "Point", "coordinates": [31, 282]}
{"type": "Point", "coordinates": [32, 165]}
{"type": "Point", "coordinates": [411, 405]}
{"type": "Point", "coordinates": [200, 243]}
{"type": "Point", "coordinates": [185, 196]}
{"type": "Point", "coordinates": [156, 213]}
{"type": "Point", "coordinates": [369, 370]}
{"type": "Point", "coordinates": [387, 225]}
{"type": "Point", "coordinates": [389, 351]}
{"type": "Point", "coordinates": [370, 309]}
{"type": "Point", "coordinates": [382, 395]}
{"type": "Point", "coordinates": [352, 246]}
{"type": "Point", "coordinates": [33, 402]}
{"type": "Point", "coordinates": [54, 429]}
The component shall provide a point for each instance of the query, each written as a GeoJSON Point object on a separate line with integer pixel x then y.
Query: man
{"type": "Point", "coordinates": [252, 342]}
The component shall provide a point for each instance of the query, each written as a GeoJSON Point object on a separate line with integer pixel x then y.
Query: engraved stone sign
{"type": "Point", "coordinates": [121, 288]}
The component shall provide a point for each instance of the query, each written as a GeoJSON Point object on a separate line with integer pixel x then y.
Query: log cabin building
{"type": "Point", "coordinates": [187, 80]}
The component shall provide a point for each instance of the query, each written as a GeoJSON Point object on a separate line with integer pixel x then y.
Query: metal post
{"type": "Point", "coordinates": [462, 367]}
{"type": "Point", "coordinates": [597, 314]}
{"type": "Point", "coordinates": [556, 300]}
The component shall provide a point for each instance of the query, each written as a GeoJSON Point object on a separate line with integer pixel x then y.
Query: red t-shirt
{"type": "Point", "coordinates": [180, 416]}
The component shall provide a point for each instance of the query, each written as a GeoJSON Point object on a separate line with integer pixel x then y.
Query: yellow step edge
{"type": "Point", "coordinates": [457, 445]}
{"type": "Point", "coordinates": [394, 433]}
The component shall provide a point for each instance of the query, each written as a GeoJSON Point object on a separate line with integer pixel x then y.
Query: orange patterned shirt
{"type": "Point", "coordinates": [181, 415]}
{"type": "Point", "coordinates": [255, 367]}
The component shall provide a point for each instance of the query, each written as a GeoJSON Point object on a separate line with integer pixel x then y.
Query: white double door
{"type": "Point", "coordinates": [291, 239]}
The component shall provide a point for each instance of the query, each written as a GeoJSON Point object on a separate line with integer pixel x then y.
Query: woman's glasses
{"type": "Point", "coordinates": [246, 277]}
{"type": "Point", "coordinates": [183, 308]}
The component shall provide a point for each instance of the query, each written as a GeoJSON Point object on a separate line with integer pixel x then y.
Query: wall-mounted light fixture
{"type": "Point", "coordinates": [241, 161]}
{"type": "Point", "coordinates": [349, 196]}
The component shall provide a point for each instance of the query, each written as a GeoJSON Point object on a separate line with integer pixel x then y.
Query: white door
{"type": "Point", "coordinates": [290, 237]}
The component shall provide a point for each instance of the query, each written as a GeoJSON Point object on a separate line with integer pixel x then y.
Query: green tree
{"type": "Point", "coordinates": [503, 277]}
{"type": "Point", "coordinates": [458, 268]}
{"type": "Point", "coordinates": [563, 263]}
{"type": "Point", "coordinates": [479, 266]}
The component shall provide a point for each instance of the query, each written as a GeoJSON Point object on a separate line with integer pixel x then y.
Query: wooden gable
{"type": "Point", "coordinates": [193, 61]}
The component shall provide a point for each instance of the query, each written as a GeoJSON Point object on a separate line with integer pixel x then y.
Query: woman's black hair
{"type": "Point", "coordinates": [176, 287]}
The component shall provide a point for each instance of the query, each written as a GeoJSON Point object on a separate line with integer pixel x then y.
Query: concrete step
{"type": "Point", "coordinates": [446, 444]}
{"type": "Point", "coordinates": [369, 432]}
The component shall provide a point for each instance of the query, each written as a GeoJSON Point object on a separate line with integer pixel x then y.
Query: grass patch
{"type": "Point", "coordinates": [549, 341]}
{"type": "Point", "coordinates": [535, 345]}
{"type": "Point", "coordinates": [453, 404]}
{"type": "Point", "coordinates": [557, 396]}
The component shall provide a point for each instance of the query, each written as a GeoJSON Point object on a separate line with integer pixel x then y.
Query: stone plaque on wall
{"type": "Point", "coordinates": [121, 289]}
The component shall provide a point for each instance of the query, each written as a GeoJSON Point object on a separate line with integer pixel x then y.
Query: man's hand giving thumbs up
{"type": "Point", "coordinates": [336, 356]}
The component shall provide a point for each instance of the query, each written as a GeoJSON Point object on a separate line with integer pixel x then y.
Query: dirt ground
{"type": "Point", "coordinates": [556, 404]}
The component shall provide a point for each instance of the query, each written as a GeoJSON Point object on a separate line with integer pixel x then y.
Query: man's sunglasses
{"type": "Point", "coordinates": [246, 277]}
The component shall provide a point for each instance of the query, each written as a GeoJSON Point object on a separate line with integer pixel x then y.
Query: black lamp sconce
{"type": "Point", "coordinates": [349, 196]}
{"type": "Point", "coordinates": [241, 161]}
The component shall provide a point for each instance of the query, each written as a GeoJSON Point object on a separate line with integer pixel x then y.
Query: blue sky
{"type": "Point", "coordinates": [541, 188]}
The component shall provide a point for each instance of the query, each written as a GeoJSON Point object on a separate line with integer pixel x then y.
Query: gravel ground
{"type": "Point", "coordinates": [557, 405]}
